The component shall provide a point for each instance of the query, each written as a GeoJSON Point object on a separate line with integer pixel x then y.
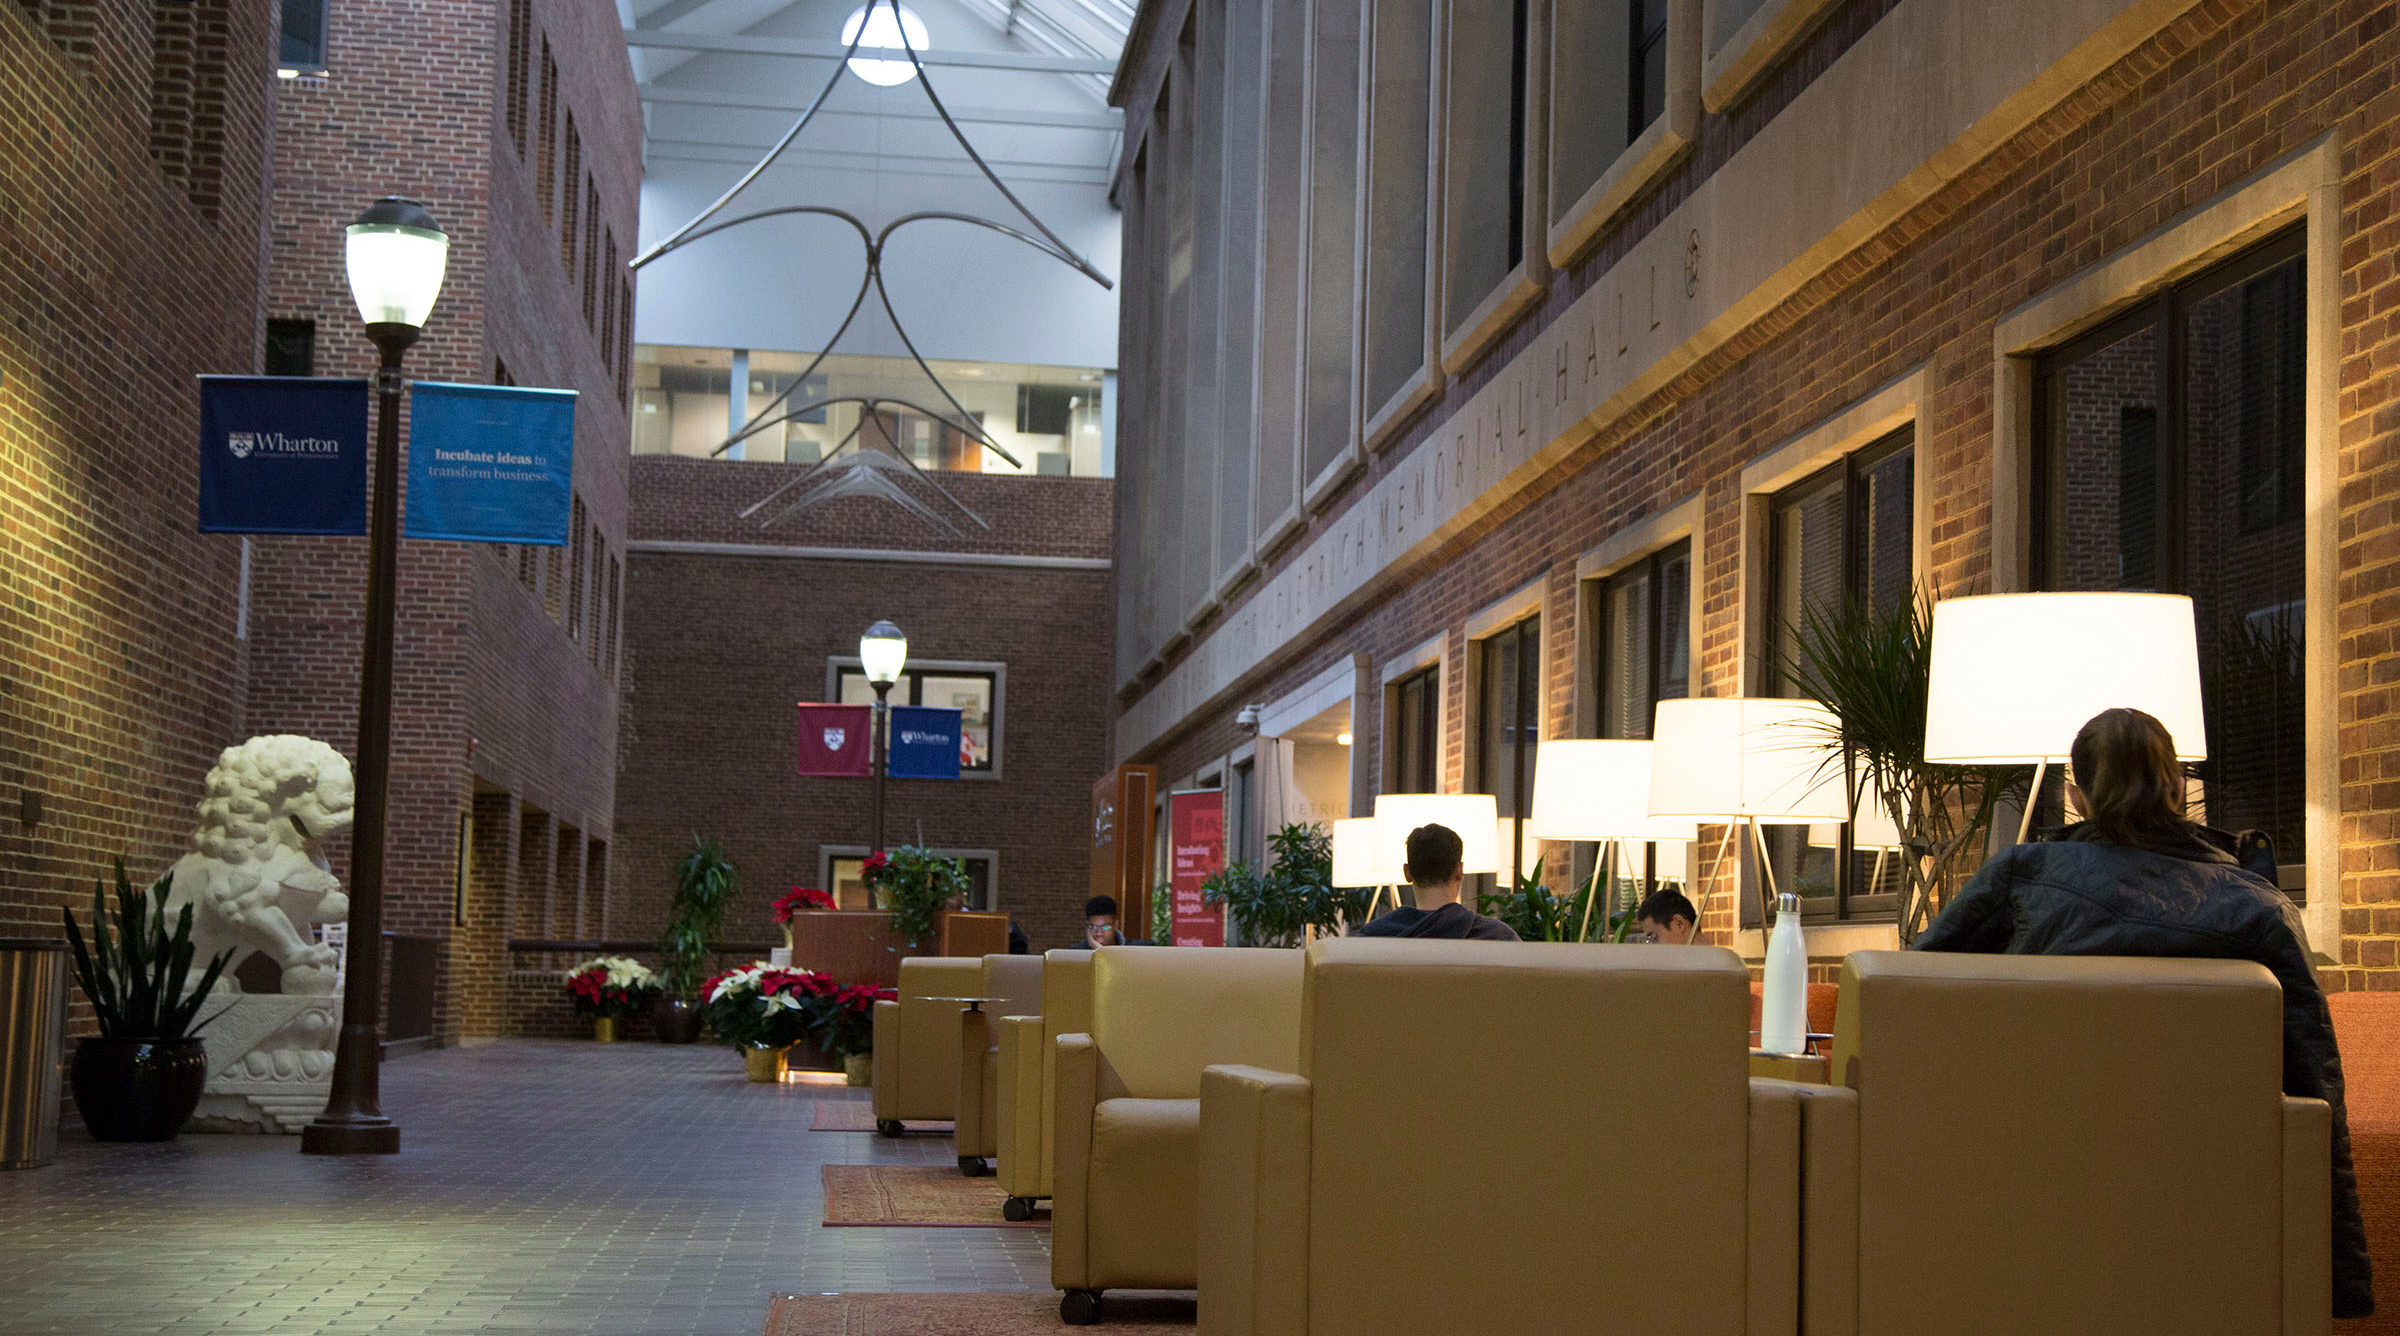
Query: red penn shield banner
{"type": "Point", "coordinates": [835, 739]}
{"type": "Point", "coordinates": [1196, 851]}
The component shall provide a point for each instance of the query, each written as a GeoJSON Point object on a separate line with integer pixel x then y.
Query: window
{"type": "Point", "coordinates": [608, 626]}
{"type": "Point", "coordinates": [1330, 421]}
{"type": "Point", "coordinates": [1645, 643]}
{"type": "Point", "coordinates": [544, 177]}
{"type": "Point", "coordinates": [2170, 459]}
{"type": "Point", "coordinates": [1398, 172]}
{"type": "Point", "coordinates": [1842, 536]}
{"type": "Point", "coordinates": [624, 337]}
{"type": "Point", "coordinates": [1413, 716]}
{"type": "Point", "coordinates": [291, 348]}
{"type": "Point", "coordinates": [1483, 169]}
{"type": "Point", "coordinates": [553, 585]}
{"type": "Point", "coordinates": [1645, 66]}
{"type": "Point", "coordinates": [843, 877]}
{"type": "Point", "coordinates": [591, 248]}
{"type": "Point", "coordinates": [569, 182]}
{"type": "Point", "coordinates": [520, 40]}
{"type": "Point", "coordinates": [608, 305]}
{"type": "Point", "coordinates": [1609, 77]}
{"type": "Point", "coordinates": [577, 554]}
{"type": "Point", "coordinates": [974, 691]}
{"type": "Point", "coordinates": [300, 45]}
{"type": "Point", "coordinates": [1508, 724]}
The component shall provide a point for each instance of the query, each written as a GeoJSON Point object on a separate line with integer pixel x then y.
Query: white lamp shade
{"type": "Point", "coordinates": [1872, 830]}
{"type": "Point", "coordinates": [1597, 789]}
{"type": "Point", "coordinates": [875, 18]}
{"type": "Point", "coordinates": [1745, 758]}
{"type": "Point", "coordinates": [2015, 675]}
{"type": "Point", "coordinates": [1475, 816]}
{"type": "Point", "coordinates": [883, 652]}
{"type": "Point", "coordinates": [396, 256]}
{"type": "Point", "coordinates": [1354, 852]}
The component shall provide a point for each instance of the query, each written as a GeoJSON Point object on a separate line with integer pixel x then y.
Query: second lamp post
{"type": "Point", "coordinates": [883, 653]}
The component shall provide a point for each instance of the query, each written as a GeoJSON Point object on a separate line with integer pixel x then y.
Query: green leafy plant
{"type": "Point", "coordinates": [705, 882]}
{"type": "Point", "coordinates": [1539, 914]}
{"type": "Point", "coordinates": [916, 883]}
{"type": "Point", "coordinates": [1162, 914]}
{"type": "Point", "coordinates": [136, 975]}
{"type": "Point", "coordinates": [1295, 892]}
{"type": "Point", "coordinates": [1872, 668]}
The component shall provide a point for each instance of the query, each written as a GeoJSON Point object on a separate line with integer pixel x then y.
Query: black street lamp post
{"type": "Point", "coordinates": [883, 653]}
{"type": "Point", "coordinates": [396, 258]}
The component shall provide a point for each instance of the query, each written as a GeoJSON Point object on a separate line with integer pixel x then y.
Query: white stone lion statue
{"type": "Point", "coordinates": [257, 877]}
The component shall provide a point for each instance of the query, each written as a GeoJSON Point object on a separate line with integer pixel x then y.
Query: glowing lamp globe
{"type": "Point", "coordinates": [883, 653]}
{"type": "Point", "coordinates": [873, 25]}
{"type": "Point", "coordinates": [396, 255]}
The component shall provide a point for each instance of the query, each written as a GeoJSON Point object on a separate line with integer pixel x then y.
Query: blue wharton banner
{"type": "Point", "coordinates": [283, 454]}
{"type": "Point", "coordinates": [924, 742]}
{"type": "Point", "coordinates": [490, 464]}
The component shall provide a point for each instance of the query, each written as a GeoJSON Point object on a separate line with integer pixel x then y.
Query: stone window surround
{"type": "Point", "coordinates": [1642, 162]}
{"type": "Point", "coordinates": [834, 664]}
{"type": "Point", "coordinates": [1433, 652]}
{"type": "Point", "coordinates": [1381, 422]}
{"type": "Point", "coordinates": [1464, 332]}
{"type": "Point", "coordinates": [1729, 72]}
{"type": "Point", "coordinates": [2304, 186]}
{"type": "Point", "coordinates": [1634, 543]}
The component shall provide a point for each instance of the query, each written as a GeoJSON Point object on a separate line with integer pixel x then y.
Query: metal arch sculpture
{"type": "Point", "coordinates": [865, 476]}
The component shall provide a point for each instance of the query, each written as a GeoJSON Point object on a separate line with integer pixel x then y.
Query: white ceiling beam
{"type": "Point", "coordinates": [1109, 122]}
{"type": "Point", "coordinates": [726, 44]}
{"type": "Point", "coordinates": [668, 13]}
{"type": "Point", "coordinates": [737, 155]}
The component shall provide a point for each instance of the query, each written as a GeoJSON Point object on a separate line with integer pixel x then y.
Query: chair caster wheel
{"type": "Point", "coordinates": [973, 1166]}
{"type": "Point", "coordinates": [1079, 1308]}
{"type": "Point", "coordinates": [888, 1127]}
{"type": "Point", "coordinates": [1017, 1210]}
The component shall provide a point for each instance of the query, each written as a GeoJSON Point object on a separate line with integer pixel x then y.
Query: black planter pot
{"type": "Point", "coordinates": [676, 1020]}
{"type": "Point", "coordinates": [138, 1089]}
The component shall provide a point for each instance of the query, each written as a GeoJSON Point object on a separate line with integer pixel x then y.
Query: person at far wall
{"type": "Point", "coordinates": [1665, 917]}
{"type": "Point", "coordinates": [2137, 878]}
{"type": "Point", "coordinates": [1100, 924]}
{"type": "Point", "coordinates": [1436, 859]}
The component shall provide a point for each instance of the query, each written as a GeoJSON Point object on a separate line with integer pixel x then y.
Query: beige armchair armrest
{"type": "Point", "coordinates": [1018, 1121]}
{"type": "Point", "coordinates": [1074, 1096]}
{"type": "Point", "coordinates": [1829, 1171]}
{"type": "Point", "coordinates": [1773, 1302]}
{"type": "Point", "coordinates": [2307, 1217]}
{"type": "Point", "coordinates": [1254, 1184]}
{"type": "Point", "coordinates": [887, 1054]}
{"type": "Point", "coordinates": [973, 1134]}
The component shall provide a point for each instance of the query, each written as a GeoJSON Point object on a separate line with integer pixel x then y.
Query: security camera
{"type": "Point", "coordinates": [1247, 719]}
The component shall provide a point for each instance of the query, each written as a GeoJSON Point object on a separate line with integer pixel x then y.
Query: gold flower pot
{"type": "Point", "coordinates": [763, 1064]}
{"type": "Point", "coordinates": [858, 1069]}
{"type": "Point", "coordinates": [604, 1029]}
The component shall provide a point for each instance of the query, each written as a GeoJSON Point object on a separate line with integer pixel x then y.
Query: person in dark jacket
{"type": "Point", "coordinates": [1436, 859]}
{"type": "Point", "coordinates": [2136, 878]}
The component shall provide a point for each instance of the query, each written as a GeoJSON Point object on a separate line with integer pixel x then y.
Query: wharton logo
{"type": "Point", "coordinates": [274, 444]}
{"type": "Point", "coordinates": [917, 737]}
{"type": "Point", "coordinates": [834, 737]}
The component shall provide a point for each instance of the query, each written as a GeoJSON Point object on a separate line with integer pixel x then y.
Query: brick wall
{"type": "Point", "coordinates": [720, 648]}
{"type": "Point", "coordinates": [2225, 91]}
{"type": "Point", "coordinates": [502, 685]}
{"type": "Point", "coordinates": [121, 675]}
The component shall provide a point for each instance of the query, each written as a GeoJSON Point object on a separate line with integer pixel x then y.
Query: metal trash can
{"type": "Point", "coordinates": [33, 1031]}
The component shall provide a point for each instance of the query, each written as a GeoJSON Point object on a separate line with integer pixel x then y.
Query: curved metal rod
{"type": "Point", "coordinates": [884, 295]}
{"type": "Point", "coordinates": [759, 421]}
{"type": "Point", "coordinates": [847, 438]}
{"type": "Point", "coordinates": [680, 235]}
{"type": "Point", "coordinates": [861, 228]}
{"type": "Point", "coordinates": [941, 215]}
{"type": "Point", "coordinates": [988, 174]}
{"type": "Point", "coordinates": [871, 404]}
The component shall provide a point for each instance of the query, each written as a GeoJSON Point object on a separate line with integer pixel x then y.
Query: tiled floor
{"type": "Point", "coordinates": [541, 1187]}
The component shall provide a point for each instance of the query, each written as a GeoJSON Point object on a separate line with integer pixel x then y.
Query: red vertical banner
{"type": "Point", "coordinates": [1196, 850]}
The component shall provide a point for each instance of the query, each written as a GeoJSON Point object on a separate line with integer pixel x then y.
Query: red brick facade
{"type": "Point", "coordinates": [2225, 91]}
{"type": "Point", "coordinates": [725, 634]}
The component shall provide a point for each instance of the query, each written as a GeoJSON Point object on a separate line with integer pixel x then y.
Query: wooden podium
{"type": "Point", "coordinates": [859, 946]}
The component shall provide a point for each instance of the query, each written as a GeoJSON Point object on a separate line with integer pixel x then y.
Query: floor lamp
{"type": "Point", "coordinates": [1598, 789]}
{"type": "Point", "coordinates": [1474, 816]}
{"type": "Point", "coordinates": [2015, 676]}
{"type": "Point", "coordinates": [1354, 865]}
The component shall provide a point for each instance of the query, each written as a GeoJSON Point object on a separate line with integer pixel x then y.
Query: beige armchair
{"type": "Point", "coordinates": [916, 1041]}
{"type": "Point", "coordinates": [2065, 1145]}
{"type": "Point", "coordinates": [1124, 1208]}
{"type": "Point", "coordinates": [1503, 1137]}
{"type": "Point", "coordinates": [1014, 985]}
{"type": "Point", "coordinates": [1028, 1062]}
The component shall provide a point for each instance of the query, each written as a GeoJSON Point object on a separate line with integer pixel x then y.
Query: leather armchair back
{"type": "Point", "coordinates": [1016, 981]}
{"type": "Point", "coordinates": [1495, 1095]}
{"type": "Point", "coordinates": [1160, 1014]}
{"type": "Point", "coordinates": [1066, 994]}
{"type": "Point", "coordinates": [924, 1073]}
{"type": "Point", "coordinates": [2092, 1144]}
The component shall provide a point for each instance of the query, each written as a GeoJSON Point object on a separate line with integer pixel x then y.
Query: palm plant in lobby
{"type": "Point", "coordinates": [1872, 667]}
{"type": "Point", "coordinates": [705, 882]}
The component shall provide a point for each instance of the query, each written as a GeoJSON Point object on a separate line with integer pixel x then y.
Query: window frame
{"type": "Point", "coordinates": [324, 52]}
{"type": "Point", "coordinates": [1520, 749]}
{"type": "Point", "coordinates": [1578, 212]}
{"type": "Point", "coordinates": [1426, 718]}
{"type": "Point", "coordinates": [916, 671]}
{"type": "Point", "coordinates": [1469, 321]}
{"type": "Point", "coordinates": [1651, 566]}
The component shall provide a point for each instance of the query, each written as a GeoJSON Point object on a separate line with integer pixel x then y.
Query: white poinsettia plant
{"type": "Point", "coordinates": [612, 986]}
{"type": "Point", "coordinates": [621, 971]}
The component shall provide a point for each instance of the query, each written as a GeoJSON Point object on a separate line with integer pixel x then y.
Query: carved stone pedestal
{"type": "Point", "coordinates": [270, 1061]}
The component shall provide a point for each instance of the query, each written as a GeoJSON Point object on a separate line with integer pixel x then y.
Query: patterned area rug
{"type": "Point", "coordinates": [966, 1314]}
{"type": "Point", "coordinates": [858, 1115]}
{"type": "Point", "coordinates": [2367, 1026]}
{"type": "Point", "coordinates": [935, 1196]}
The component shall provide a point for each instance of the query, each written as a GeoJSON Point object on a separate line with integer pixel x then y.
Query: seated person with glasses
{"type": "Point", "coordinates": [1436, 857]}
{"type": "Point", "coordinates": [1666, 917]}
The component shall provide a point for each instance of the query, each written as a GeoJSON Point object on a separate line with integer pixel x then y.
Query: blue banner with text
{"type": "Point", "coordinates": [490, 464]}
{"type": "Point", "coordinates": [283, 454]}
{"type": "Point", "coordinates": [924, 742]}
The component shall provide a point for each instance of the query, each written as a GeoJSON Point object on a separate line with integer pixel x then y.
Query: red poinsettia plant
{"type": "Point", "coordinates": [799, 899]}
{"type": "Point", "coordinates": [846, 1018]}
{"type": "Point", "coordinates": [767, 1006]}
{"type": "Point", "coordinates": [870, 872]}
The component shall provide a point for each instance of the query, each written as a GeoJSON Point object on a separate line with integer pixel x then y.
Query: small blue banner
{"type": "Point", "coordinates": [283, 454]}
{"type": "Point", "coordinates": [490, 464]}
{"type": "Point", "coordinates": [924, 742]}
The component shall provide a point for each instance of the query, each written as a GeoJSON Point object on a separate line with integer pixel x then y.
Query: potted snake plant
{"type": "Point", "coordinates": [704, 884]}
{"type": "Point", "coordinates": [141, 1077]}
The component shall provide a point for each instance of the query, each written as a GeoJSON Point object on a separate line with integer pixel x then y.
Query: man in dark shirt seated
{"type": "Point", "coordinates": [1665, 916]}
{"type": "Point", "coordinates": [1435, 858]}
